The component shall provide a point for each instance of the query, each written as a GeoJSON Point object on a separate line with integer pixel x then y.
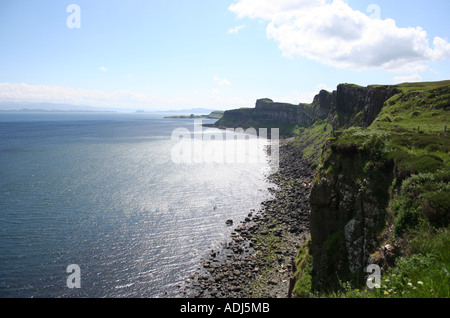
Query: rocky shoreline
{"type": "Point", "coordinates": [258, 260]}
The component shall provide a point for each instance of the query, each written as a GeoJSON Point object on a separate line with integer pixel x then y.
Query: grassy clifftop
{"type": "Point", "coordinates": [401, 158]}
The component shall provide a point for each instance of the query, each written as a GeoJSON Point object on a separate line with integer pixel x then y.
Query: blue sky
{"type": "Point", "coordinates": [220, 54]}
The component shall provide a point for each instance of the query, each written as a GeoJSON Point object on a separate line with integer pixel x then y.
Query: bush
{"type": "Point", "coordinates": [424, 274]}
{"type": "Point", "coordinates": [407, 215]}
{"type": "Point", "coordinates": [423, 197]}
{"type": "Point", "coordinates": [436, 207]}
{"type": "Point", "coordinates": [411, 164]}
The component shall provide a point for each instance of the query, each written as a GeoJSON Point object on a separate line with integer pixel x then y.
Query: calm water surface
{"type": "Point", "coordinates": [101, 190]}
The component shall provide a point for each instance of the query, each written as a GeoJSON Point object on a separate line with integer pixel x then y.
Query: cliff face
{"type": "Point", "coordinates": [359, 106]}
{"type": "Point", "coordinates": [347, 106]}
{"type": "Point", "coordinates": [348, 202]}
{"type": "Point", "coordinates": [268, 111]}
{"type": "Point", "coordinates": [236, 118]}
{"type": "Point", "coordinates": [270, 114]}
{"type": "Point", "coordinates": [347, 211]}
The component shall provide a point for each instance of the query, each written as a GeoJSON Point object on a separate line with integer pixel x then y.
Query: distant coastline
{"type": "Point", "coordinates": [37, 107]}
{"type": "Point", "coordinates": [217, 114]}
{"type": "Point", "coordinates": [26, 110]}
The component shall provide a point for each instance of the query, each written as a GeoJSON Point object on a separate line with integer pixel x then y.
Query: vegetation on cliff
{"type": "Point", "coordinates": [381, 194]}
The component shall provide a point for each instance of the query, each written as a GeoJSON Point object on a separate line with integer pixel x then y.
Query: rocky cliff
{"type": "Point", "coordinates": [286, 117]}
{"type": "Point", "coordinates": [359, 106]}
{"type": "Point", "coordinates": [348, 105]}
{"type": "Point", "coordinates": [348, 205]}
{"type": "Point", "coordinates": [359, 181]}
{"type": "Point", "coordinates": [349, 198]}
{"type": "Point", "coordinates": [268, 111]}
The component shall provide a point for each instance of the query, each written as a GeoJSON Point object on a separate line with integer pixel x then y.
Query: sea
{"type": "Point", "coordinates": [99, 205]}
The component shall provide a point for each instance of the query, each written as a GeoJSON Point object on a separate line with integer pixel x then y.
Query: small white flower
{"type": "Point", "coordinates": [409, 284]}
{"type": "Point", "coordinates": [420, 282]}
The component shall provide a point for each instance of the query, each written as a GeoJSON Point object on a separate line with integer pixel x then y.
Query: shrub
{"type": "Point", "coordinates": [436, 207]}
{"type": "Point", "coordinates": [407, 215]}
{"type": "Point", "coordinates": [423, 197]}
{"type": "Point", "coordinates": [411, 164]}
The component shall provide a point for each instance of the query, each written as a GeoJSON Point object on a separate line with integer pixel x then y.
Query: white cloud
{"type": "Point", "coordinates": [337, 35]}
{"type": "Point", "coordinates": [236, 29]}
{"type": "Point", "coordinates": [441, 49]}
{"type": "Point", "coordinates": [120, 99]}
{"type": "Point", "coordinates": [10, 92]}
{"type": "Point", "coordinates": [221, 81]}
{"type": "Point", "coordinates": [103, 69]}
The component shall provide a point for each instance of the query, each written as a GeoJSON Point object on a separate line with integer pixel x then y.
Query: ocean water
{"type": "Point", "coordinates": [102, 191]}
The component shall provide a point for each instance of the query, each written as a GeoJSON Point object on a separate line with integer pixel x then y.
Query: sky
{"type": "Point", "coordinates": [215, 54]}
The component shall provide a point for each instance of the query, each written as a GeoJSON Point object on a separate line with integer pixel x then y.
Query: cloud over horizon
{"type": "Point", "coordinates": [119, 99]}
{"type": "Point", "coordinates": [11, 92]}
{"type": "Point", "coordinates": [335, 34]}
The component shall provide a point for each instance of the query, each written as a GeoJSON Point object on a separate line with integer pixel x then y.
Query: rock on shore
{"type": "Point", "coordinates": [258, 259]}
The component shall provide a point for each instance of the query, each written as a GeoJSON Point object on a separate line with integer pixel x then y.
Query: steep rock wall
{"type": "Point", "coordinates": [360, 106]}
{"type": "Point", "coordinates": [348, 105]}
{"type": "Point", "coordinates": [268, 111]}
{"type": "Point", "coordinates": [344, 221]}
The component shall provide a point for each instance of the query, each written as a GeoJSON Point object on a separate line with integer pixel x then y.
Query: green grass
{"type": "Point", "coordinates": [302, 275]}
{"type": "Point", "coordinates": [422, 198]}
{"type": "Point", "coordinates": [313, 139]}
{"type": "Point", "coordinates": [419, 107]}
{"type": "Point", "coordinates": [423, 273]}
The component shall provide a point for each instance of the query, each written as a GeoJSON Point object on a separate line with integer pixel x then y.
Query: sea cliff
{"type": "Point", "coordinates": [378, 158]}
{"type": "Point", "coordinates": [286, 117]}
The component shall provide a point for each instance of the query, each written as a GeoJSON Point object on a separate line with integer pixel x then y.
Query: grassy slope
{"type": "Point", "coordinates": [409, 133]}
{"type": "Point", "coordinates": [313, 139]}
